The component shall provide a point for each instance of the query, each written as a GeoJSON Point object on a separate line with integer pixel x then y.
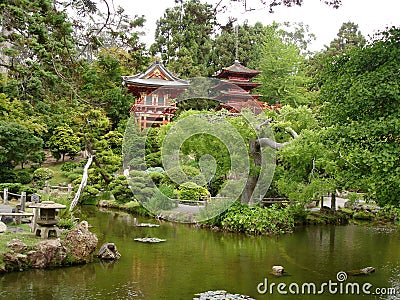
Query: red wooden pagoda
{"type": "Point", "coordinates": [236, 85]}
{"type": "Point", "coordinates": [154, 90]}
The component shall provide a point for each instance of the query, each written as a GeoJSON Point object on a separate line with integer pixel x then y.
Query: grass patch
{"type": "Point", "coordinates": [26, 237]}
{"type": "Point", "coordinates": [59, 176]}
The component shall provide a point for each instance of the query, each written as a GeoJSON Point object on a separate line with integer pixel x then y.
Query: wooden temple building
{"type": "Point", "coordinates": [236, 86]}
{"type": "Point", "coordinates": [155, 91]}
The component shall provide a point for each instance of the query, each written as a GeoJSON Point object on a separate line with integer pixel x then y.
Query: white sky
{"type": "Point", "coordinates": [324, 21]}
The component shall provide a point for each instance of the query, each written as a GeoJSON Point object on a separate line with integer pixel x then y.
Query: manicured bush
{"type": "Point", "coordinates": [156, 177]}
{"type": "Point", "coordinates": [69, 166]}
{"type": "Point", "coordinates": [119, 187]}
{"type": "Point", "coordinates": [12, 187]}
{"type": "Point", "coordinates": [24, 177]}
{"type": "Point", "coordinates": [189, 174]}
{"type": "Point", "coordinates": [7, 175]}
{"type": "Point", "coordinates": [168, 190]}
{"type": "Point", "coordinates": [153, 159]}
{"type": "Point", "coordinates": [43, 174]}
{"type": "Point", "coordinates": [255, 220]}
{"type": "Point", "coordinates": [192, 191]}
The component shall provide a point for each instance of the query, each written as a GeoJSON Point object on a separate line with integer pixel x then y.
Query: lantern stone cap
{"type": "Point", "coordinates": [47, 204]}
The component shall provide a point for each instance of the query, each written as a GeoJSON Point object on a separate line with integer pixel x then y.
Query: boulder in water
{"type": "Point", "coordinates": [278, 270]}
{"type": "Point", "coordinates": [108, 251]}
{"type": "Point", "coordinates": [81, 243]}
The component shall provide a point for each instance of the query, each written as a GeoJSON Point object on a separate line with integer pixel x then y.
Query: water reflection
{"type": "Point", "coordinates": [194, 260]}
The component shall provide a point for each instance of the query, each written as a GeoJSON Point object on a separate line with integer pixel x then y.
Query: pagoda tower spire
{"type": "Point", "coordinates": [237, 43]}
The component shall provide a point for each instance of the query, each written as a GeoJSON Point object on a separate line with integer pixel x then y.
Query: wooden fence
{"type": "Point", "coordinates": [22, 198]}
{"type": "Point", "coordinates": [66, 189]}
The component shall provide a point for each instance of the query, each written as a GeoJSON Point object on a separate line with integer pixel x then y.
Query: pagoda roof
{"type": "Point", "coordinates": [237, 69]}
{"type": "Point", "coordinates": [155, 76]}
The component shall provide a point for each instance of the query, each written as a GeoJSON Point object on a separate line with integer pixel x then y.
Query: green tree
{"type": "Point", "coordinates": [64, 141]}
{"type": "Point", "coordinates": [18, 145]}
{"type": "Point", "coordinates": [282, 75]}
{"type": "Point", "coordinates": [348, 38]}
{"type": "Point", "coordinates": [249, 39]}
{"type": "Point", "coordinates": [362, 108]}
{"type": "Point", "coordinates": [298, 34]}
{"type": "Point", "coordinates": [183, 37]}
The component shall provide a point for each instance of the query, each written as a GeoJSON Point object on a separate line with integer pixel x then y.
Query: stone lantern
{"type": "Point", "coordinates": [45, 218]}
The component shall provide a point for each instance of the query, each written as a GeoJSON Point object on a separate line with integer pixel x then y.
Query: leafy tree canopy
{"type": "Point", "coordinates": [362, 106]}
{"type": "Point", "coordinates": [183, 37]}
{"type": "Point", "coordinates": [18, 145]}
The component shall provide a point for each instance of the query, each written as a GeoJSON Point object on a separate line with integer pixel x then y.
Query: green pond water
{"type": "Point", "coordinates": [195, 260]}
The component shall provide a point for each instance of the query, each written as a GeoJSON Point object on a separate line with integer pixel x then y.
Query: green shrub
{"type": "Point", "coordinates": [141, 185]}
{"type": "Point", "coordinates": [7, 175]}
{"type": "Point", "coordinates": [24, 177]}
{"type": "Point", "coordinates": [361, 215]}
{"type": "Point", "coordinates": [159, 202]}
{"type": "Point", "coordinates": [12, 187]}
{"type": "Point", "coordinates": [42, 174]}
{"type": "Point", "coordinates": [192, 191]}
{"type": "Point", "coordinates": [34, 167]}
{"type": "Point", "coordinates": [156, 177]}
{"type": "Point", "coordinates": [155, 169]}
{"type": "Point", "coordinates": [73, 176]}
{"type": "Point", "coordinates": [255, 220]}
{"type": "Point", "coordinates": [153, 159]}
{"type": "Point", "coordinates": [89, 195]}
{"type": "Point", "coordinates": [167, 190]}
{"type": "Point", "coordinates": [189, 174]}
{"type": "Point", "coordinates": [119, 187]}
{"type": "Point", "coordinates": [66, 223]}
{"type": "Point", "coordinates": [69, 166]}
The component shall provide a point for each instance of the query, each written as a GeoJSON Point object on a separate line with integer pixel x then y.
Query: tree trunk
{"type": "Point", "coordinates": [83, 183]}
{"type": "Point", "coordinates": [4, 58]}
{"type": "Point", "coordinates": [97, 163]}
{"type": "Point", "coordinates": [255, 153]}
{"type": "Point", "coordinates": [333, 201]}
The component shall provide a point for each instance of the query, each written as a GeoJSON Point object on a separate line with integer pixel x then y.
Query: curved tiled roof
{"type": "Point", "coordinates": [155, 75]}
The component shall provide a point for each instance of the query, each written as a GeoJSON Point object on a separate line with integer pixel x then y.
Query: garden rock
{"type": "Point", "coordinates": [17, 245]}
{"type": "Point", "coordinates": [278, 270]}
{"type": "Point", "coordinates": [12, 261]}
{"type": "Point", "coordinates": [108, 251]}
{"type": "Point", "coordinates": [81, 243]}
{"type": "Point", "coordinates": [48, 253]}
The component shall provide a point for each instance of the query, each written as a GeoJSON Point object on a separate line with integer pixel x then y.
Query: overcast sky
{"type": "Point", "coordinates": [324, 21]}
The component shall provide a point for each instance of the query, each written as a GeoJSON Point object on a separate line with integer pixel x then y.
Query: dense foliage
{"type": "Point", "coordinates": [61, 65]}
{"type": "Point", "coordinates": [362, 106]}
{"type": "Point", "coordinates": [255, 220]}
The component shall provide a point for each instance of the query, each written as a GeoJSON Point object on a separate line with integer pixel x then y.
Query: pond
{"type": "Point", "coordinates": [195, 260]}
